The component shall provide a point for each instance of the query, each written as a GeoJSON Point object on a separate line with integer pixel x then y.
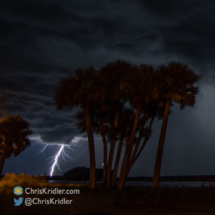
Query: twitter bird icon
{"type": "Point", "coordinates": [18, 201]}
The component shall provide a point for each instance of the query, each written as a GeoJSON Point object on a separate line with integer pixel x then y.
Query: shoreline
{"type": "Point", "coordinates": [199, 178]}
{"type": "Point", "coordinates": [196, 178]}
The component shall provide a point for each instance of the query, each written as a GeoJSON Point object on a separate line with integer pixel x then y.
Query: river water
{"type": "Point", "coordinates": [148, 183]}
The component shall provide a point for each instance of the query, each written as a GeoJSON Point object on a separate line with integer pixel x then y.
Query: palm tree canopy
{"type": "Point", "coordinates": [78, 90]}
{"type": "Point", "coordinates": [112, 76]}
{"type": "Point", "coordinates": [13, 135]}
{"type": "Point", "coordinates": [176, 81]}
{"type": "Point", "coordinates": [140, 85]}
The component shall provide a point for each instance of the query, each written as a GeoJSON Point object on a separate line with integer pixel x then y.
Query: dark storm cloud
{"type": "Point", "coordinates": [42, 42]}
{"type": "Point", "coordinates": [168, 9]}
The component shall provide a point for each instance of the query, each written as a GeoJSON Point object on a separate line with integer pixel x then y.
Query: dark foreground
{"type": "Point", "coordinates": [131, 200]}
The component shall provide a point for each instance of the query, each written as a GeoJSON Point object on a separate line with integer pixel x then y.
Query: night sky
{"type": "Point", "coordinates": [42, 42]}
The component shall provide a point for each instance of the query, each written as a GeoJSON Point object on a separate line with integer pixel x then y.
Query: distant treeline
{"type": "Point", "coordinates": [82, 174]}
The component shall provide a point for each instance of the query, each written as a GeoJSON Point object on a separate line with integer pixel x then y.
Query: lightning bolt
{"type": "Point", "coordinates": [43, 149]}
{"type": "Point", "coordinates": [61, 151]}
{"type": "Point", "coordinates": [56, 159]}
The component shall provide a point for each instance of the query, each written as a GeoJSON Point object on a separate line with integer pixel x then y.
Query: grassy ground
{"type": "Point", "coordinates": [131, 200]}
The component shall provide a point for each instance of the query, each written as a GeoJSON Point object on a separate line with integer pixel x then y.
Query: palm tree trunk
{"type": "Point", "coordinates": [144, 143]}
{"type": "Point", "coordinates": [134, 158]}
{"type": "Point", "coordinates": [131, 140]}
{"type": "Point", "coordinates": [113, 181]}
{"type": "Point", "coordinates": [136, 148]}
{"type": "Point", "coordinates": [104, 152]}
{"type": "Point", "coordinates": [138, 139]}
{"type": "Point", "coordinates": [157, 168]}
{"type": "Point", "coordinates": [2, 160]}
{"type": "Point", "coordinates": [126, 152]}
{"type": "Point", "coordinates": [123, 162]}
{"type": "Point", "coordinates": [134, 152]}
{"type": "Point", "coordinates": [91, 149]}
{"type": "Point", "coordinates": [113, 141]}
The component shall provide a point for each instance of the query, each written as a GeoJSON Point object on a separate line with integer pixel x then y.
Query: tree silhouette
{"type": "Point", "coordinates": [13, 137]}
{"type": "Point", "coordinates": [140, 92]}
{"type": "Point", "coordinates": [100, 117]}
{"type": "Point", "coordinates": [113, 74]}
{"type": "Point", "coordinates": [124, 131]}
{"type": "Point", "coordinates": [155, 108]}
{"type": "Point", "coordinates": [174, 82]}
{"type": "Point", "coordinates": [103, 97]}
{"type": "Point", "coordinates": [81, 90]}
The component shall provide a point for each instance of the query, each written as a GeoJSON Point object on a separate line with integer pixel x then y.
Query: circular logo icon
{"type": "Point", "coordinates": [18, 190]}
{"type": "Point", "coordinates": [28, 201]}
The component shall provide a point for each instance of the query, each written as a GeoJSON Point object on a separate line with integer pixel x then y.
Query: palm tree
{"type": "Point", "coordinates": [100, 118]}
{"type": "Point", "coordinates": [155, 108]}
{"type": "Point", "coordinates": [113, 74]}
{"type": "Point", "coordinates": [13, 137]}
{"type": "Point", "coordinates": [175, 82]}
{"type": "Point", "coordinates": [81, 90]}
{"type": "Point", "coordinates": [124, 132]}
{"type": "Point", "coordinates": [140, 93]}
